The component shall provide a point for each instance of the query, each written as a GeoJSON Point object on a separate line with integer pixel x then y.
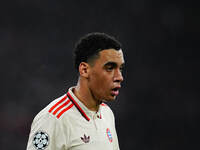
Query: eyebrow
{"type": "Point", "coordinates": [114, 64]}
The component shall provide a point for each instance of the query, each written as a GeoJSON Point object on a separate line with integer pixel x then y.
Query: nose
{"type": "Point", "coordinates": [118, 77]}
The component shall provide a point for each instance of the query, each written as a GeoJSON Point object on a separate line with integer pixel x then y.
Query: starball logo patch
{"type": "Point", "coordinates": [40, 140]}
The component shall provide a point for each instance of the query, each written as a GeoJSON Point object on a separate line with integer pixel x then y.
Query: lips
{"type": "Point", "coordinates": [115, 91]}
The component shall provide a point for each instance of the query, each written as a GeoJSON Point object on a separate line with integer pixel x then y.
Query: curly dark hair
{"type": "Point", "coordinates": [89, 46]}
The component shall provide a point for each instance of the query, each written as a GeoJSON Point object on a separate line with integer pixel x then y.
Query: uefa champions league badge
{"type": "Point", "coordinates": [40, 140]}
{"type": "Point", "coordinates": [109, 135]}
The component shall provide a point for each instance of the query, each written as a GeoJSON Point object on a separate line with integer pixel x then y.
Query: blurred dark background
{"type": "Point", "coordinates": [158, 107]}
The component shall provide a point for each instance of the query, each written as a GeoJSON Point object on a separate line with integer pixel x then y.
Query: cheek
{"type": "Point", "coordinates": [100, 81]}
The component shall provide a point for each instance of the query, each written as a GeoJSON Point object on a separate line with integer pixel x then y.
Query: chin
{"type": "Point", "coordinates": [111, 98]}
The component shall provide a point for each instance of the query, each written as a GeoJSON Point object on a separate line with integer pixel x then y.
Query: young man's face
{"type": "Point", "coordinates": [105, 75]}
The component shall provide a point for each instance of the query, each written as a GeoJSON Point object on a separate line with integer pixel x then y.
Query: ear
{"type": "Point", "coordinates": [84, 69]}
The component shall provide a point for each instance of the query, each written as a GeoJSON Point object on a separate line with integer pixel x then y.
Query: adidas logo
{"type": "Point", "coordinates": [85, 139]}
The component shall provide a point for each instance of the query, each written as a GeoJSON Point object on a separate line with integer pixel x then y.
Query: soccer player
{"type": "Point", "coordinates": [80, 120]}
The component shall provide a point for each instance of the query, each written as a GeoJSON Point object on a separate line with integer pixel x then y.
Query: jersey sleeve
{"type": "Point", "coordinates": [48, 133]}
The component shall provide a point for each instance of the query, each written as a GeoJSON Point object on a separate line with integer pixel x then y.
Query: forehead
{"type": "Point", "coordinates": [111, 55]}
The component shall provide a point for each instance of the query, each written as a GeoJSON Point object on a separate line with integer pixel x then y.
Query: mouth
{"type": "Point", "coordinates": [115, 91]}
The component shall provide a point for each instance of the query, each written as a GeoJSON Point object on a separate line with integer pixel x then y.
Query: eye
{"type": "Point", "coordinates": [109, 68]}
{"type": "Point", "coordinates": [120, 69]}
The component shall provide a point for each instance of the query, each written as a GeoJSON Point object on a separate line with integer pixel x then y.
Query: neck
{"type": "Point", "coordinates": [83, 93]}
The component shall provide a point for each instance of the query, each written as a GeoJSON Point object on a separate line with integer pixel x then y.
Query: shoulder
{"type": "Point", "coordinates": [104, 106]}
{"type": "Point", "coordinates": [60, 107]}
{"type": "Point", "coordinates": [107, 110]}
{"type": "Point", "coordinates": [55, 111]}
{"type": "Point", "coordinates": [50, 122]}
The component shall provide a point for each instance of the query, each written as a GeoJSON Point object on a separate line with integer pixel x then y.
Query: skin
{"type": "Point", "coordinates": [97, 81]}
